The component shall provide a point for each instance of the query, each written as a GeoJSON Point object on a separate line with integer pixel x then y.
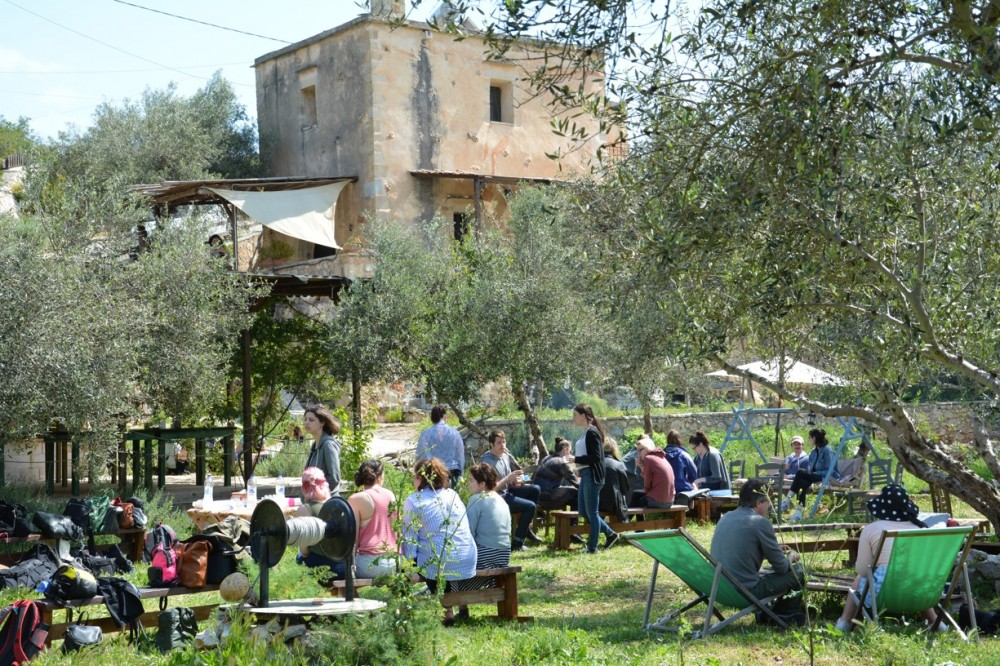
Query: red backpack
{"type": "Point", "coordinates": [22, 633]}
{"type": "Point", "coordinates": [163, 567]}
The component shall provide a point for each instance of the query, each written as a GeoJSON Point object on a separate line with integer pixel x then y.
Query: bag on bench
{"type": "Point", "coordinates": [192, 563]}
{"type": "Point", "coordinates": [124, 603]}
{"type": "Point", "coordinates": [221, 558]}
{"type": "Point", "coordinates": [38, 564]}
{"type": "Point", "coordinates": [54, 526]}
{"type": "Point", "coordinates": [14, 520]}
{"type": "Point", "coordinates": [161, 534]}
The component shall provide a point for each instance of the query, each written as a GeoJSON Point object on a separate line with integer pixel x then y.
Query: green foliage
{"type": "Point", "coordinates": [290, 461]}
{"type": "Point", "coordinates": [16, 137]}
{"type": "Point", "coordinates": [354, 441]}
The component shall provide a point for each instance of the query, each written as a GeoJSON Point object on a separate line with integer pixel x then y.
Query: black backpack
{"type": "Point", "coordinates": [14, 520]}
{"type": "Point", "coordinates": [22, 632]}
{"type": "Point", "coordinates": [38, 564]}
{"type": "Point", "coordinates": [124, 603]}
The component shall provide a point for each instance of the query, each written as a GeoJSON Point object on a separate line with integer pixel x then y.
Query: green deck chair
{"type": "Point", "coordinates": [676, 550]}
{"type": "Point", "coordinates": [921, 563]}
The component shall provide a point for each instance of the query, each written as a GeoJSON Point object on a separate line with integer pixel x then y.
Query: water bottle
{"type": "Point", "coordinates": [252, 492]}
{"type": "Point", "coordinates": [43, 585]}
{"type": "Point", "coordinates": [209, 497]}
{"type": "Point", "coordinates": [279, 489]}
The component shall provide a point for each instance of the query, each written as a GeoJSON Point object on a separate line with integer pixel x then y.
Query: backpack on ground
{"type": "Point", "coordinates": [177, 628]}
{"type": "Point", "coordinates": [14, 520]}
{"type": "Point", "coordinates": [22, 632]}
{"type": "Point", "coordinates": [38, 564]}
{"type": "Point", "coordinates": [124, 603]}
{"type": "Point", "coordinates": [161, 534]}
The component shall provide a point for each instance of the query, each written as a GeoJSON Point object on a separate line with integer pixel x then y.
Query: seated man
{"type": "Point", "coordinates": [744, 538]}
{"type": "Point", "coordinates": [556, 478]}
{"type": "Point", "coordinates": [521, 498]}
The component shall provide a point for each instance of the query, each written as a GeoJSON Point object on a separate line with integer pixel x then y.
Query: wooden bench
{"type": "Point", "coordinates": [504, 594]}
{"type": "Point", "coordinates": [132, 541]}
{"type": "Point", "coordinates": [654, 519]}
{"type": "Point", "coordinates": [107, 625]}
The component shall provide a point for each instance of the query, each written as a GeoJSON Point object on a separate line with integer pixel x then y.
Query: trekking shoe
{"type": "Point", "coordinates": [534, 537]}
{"type": "Point", "coordinates": [611, 540]}
{"type": "Point", "coordinates": [843, 626]}
{"type": "Point", "coordinates": [517, 545]}
{"type": "Point", "coordinates": [795, 517]}
{"type": "Point", "coordinates": [576, 538]}
{"type": "Point", "coordinates": [786, 504]}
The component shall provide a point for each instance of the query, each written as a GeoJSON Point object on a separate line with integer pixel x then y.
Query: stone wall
{"type": "Point", "coordinates": [952, 421]}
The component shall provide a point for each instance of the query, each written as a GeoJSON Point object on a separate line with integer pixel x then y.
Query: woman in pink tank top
{"type": "Point", "coordinates": [377, 548]}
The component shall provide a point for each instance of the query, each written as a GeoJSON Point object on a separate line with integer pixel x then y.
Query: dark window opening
{"type": "Point", "coordinates": [496, 104]}
{"type": "Point", "coordinates": [461, 221]}
{"type": "Point", "coordinates": [320, 251]}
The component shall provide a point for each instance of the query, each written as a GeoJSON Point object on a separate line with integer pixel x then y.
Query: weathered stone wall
{"type": "Point", "coordinates": [950, 420]}
{"type": "Point", "coordinates": [390, 100]}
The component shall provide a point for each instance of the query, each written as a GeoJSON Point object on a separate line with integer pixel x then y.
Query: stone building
{"type": "Point", "coordinates": [427, 124]}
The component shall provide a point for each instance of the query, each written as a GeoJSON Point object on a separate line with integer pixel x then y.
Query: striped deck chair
{"type": "Point", "coordinates": [921, 564]}
{"type": "Point", "coordinates": [677, 551]}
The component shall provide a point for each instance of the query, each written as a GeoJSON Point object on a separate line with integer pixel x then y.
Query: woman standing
{"type": "Point", "coordinates": [376, 554]}
{"type": "Point", "coordinates": [489, 522]}
{"type": "Point", "coordinates": [325, 450]}
{"type": "Point", "coordinates": [712, 472]}
{"type": "Point", "coordinates": [589, 457]}
{"type": "Point", "coordinates": [436, 531]}
{"type": "Point", "coordinates": [822, 460]}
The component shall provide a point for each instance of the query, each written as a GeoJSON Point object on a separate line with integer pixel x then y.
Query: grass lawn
{"type": "Point", "coordinates": [587, 609]}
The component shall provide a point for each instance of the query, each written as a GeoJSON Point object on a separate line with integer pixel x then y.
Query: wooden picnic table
{"type": "Point", "coordinates": [824, 543]}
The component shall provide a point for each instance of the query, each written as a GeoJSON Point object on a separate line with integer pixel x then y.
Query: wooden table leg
{"type": "Point", "coordinates": [562, 532]}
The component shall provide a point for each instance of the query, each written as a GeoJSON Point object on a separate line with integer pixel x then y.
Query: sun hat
{"type": "Point", "coordinates": [894, 504]}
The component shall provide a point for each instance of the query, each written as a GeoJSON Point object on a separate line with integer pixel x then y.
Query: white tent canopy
{"type": "Point", "coordinates": [307, 214]}
{"type": "Point", "coordinates": [796, 372]}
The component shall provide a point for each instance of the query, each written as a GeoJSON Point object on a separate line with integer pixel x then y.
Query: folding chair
{"type": "Point", "coordinates": [678, 552]}
{"type": "Point", "coordinates": [921, 564]}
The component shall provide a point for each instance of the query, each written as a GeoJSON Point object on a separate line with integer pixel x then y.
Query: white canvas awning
{"type": "Point", "coordinates": [796, 372]}
{"type": "Point", "coordinates": [307, 214]}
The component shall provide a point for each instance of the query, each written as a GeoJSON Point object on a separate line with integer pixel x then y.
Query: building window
{"type": "Point", "coordinates": [501, 102]}
{"type": "Point", "coordinates": [461, 221]}
{"type": "Point", "coordinates": [309, 107]}
{"type": "Point", "coordinates": [307, 89]}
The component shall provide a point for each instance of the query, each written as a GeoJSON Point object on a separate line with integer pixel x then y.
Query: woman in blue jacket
{"type": "Point", "coordinates": [822, 460]}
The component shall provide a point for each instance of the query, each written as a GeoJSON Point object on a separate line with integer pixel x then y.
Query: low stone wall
{"type": "Point", "coordinates": [951, 420]}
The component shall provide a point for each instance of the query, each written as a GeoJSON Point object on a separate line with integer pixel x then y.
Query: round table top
{"type": "Point", "coordinates": [318, 606]}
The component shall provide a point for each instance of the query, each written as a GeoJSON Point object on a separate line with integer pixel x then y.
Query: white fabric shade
{"type": "Point", "coordinates": [796, 372]}
{"type": "Point", "coordinates": [307, 214]}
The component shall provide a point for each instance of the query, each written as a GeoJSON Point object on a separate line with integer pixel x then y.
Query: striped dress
{"type": "Point", "coordinates": [489, 521]}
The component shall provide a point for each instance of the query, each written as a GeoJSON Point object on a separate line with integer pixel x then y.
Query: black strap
{"type": "Point", "coordinates": [163, 603]}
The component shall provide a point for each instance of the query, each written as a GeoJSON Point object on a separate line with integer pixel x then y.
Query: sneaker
{"type": "Point", "coordinates": [611, 540]}
{"type": "Point", "coordinates": [576, 538]}
{"type": "Point", "coordinates": [534, 537]}
{"type": "Point", "coordinates": [843, 626]}
{"type": "Point", "coordinates": [795, 517]}
{"type": "Point", "coordinates": [517, 545]}
{"type": "Point", "coordinates": [786, 504]}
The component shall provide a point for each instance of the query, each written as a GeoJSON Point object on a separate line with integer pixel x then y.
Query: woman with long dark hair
{"type": "Point", "coordinates": [589, 457]}
{"type": "Point", "coordinates": [377, 548]}
{"type": "Point", "coordinates": [822, 460]}
{"type": "Point", "coordinates": [325, 450]}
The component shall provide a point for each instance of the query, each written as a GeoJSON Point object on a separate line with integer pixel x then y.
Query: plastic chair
{"type": "Point", "coordinates": [678, 552]}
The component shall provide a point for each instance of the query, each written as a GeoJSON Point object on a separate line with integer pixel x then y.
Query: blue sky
{"type": "Point", "coordinates": [56, 77]}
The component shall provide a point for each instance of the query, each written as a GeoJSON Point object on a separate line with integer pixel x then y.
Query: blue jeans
{"type": "Point", "coordinates": [590, 499]}
{"type": "Point", "coordinates": [526, 508]}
